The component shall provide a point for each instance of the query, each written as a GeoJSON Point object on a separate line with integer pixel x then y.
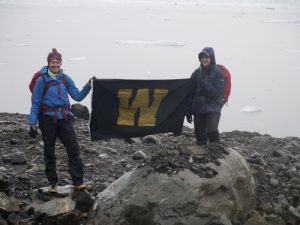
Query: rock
{"type": "Point", "coordinates": [133, 140]}
{"type": "Point", "coordinates": [291, 216]}
{"type": "Point", "coordinates": [90, 150]}
{"type": "Point", "coordinates": [2, 221]}
{"type": "Point", "coordinates": [15, 158]}
{"type": "Point", "coordinates": [146, 196]}
{"type": "Point", "coordinates": [15, 141]}
{"type": "Point", "coordinates": [4, 183]}
{"type": "Point", "coordinates": [65, 219]}
{"type": "Point", "coordinates": [83, 200]}
{"type": "Point", "coordinates": [282, 156]}
{"type": "Point", "coordinates": [14, 219]}
{"type": "Point", "coordinates": [150, 139]}
{"type": "Point", "coordinates": [43, 194]}
{"type": "Point", "coordinates": [218, 219]}
{"type": "Point", "coordinates": [274, 220]}
{"type": "Point", "coordinates": [56, 211]}
{"type": "Point", "coordinates": [292, 173]}
{"type": "Point", "coordinates": [103, 156]}
{"type": "Point", "coordinates": [256, 219]}
{"type": "Point", "coordinates": [109, 150]}
{"type": "Point", "coordinates": [295, 212]}
{"type": "Point", "coordinates": [263, 141]}
{"type": "Point", "coordinates": [274, 182]}
{"type": "Point", "coordinates": [2, 169]}
{"type": "Point", "coordinates": [266, 207]}
{"type": "Point", "coordinates": [8, 205]}
{"type": "Point", "coordinates": [139, 155]}
{"type": "Point", "coordinates": [80, 111]}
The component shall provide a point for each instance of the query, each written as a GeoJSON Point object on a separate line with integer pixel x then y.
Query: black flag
{"type": "Point", "coordinates": [133, 108]}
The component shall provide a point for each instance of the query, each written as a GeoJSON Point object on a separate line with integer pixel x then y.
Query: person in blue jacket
{"type": "Point", "coordinates": [51, 109]}
{"type": "Point", "coordinates": [206, 100]}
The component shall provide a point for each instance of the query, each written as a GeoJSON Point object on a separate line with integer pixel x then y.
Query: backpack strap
{"type": "Point", "coordinates": [54, 83]}
{"type": "Point", "coordinates": [56, 110]}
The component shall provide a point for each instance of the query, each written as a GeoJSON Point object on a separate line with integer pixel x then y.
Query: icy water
{"type": "Point", "coordinates": [259, 44]}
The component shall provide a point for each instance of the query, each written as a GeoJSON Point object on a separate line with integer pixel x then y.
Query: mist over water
{"type": "Point", "coordinates": [258, 41]}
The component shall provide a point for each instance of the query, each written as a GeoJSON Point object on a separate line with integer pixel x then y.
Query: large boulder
{"type": "Point", "coordinates": [80, 111]}
{"type": "Point", "coordinates": [194, 186]}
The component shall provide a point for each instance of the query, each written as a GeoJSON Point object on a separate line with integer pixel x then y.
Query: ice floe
{"type": "Point", "coordinates": [251, 109]}
{"type": "Point", "coordinates": [293, 50]}
{"type": "Point", "coordinates": [282, 21]}
{"type": "Point", "coordinates": [168, 43]}
{"type": "Point", "coordinates": [158, 17]}
{"type": "Point", "coordinates": [77, 59]}
{"type": "Point", "coordinates": [34, 20]}
{"type": "Point", "coordinates": [25, 45]}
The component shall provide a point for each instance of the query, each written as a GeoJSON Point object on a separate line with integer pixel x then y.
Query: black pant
{"type": "Point", "coordinates": [65, 132]}
{"type": "Point", "coordinates": [206, 127]}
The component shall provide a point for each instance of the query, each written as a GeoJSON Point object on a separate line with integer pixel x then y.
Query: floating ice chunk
{"type": "Point", "coordinates": [25, 44]}
{"type": "Point", "coordinates": [158, 17]}
{"type": "Point", "coordinates": [77, 59]}
{"type": "Point", "coordinates": [282, 21]}
{"type": "Point", "coordinates": [159, 42]}
{"type": "Point", "coordinates": [169, 43]}
{"type": "Point", "coordinates": [293, 50]}
{"type": "Point", "coordinates": [251, 109]}
{"type": "Point", "coordinates": [35, 20]}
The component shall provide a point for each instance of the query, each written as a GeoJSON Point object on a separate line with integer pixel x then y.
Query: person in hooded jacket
{"type": "Point", "coordinates": [206, 100]}
{"type": "Point", "coordinates": [51, 109]}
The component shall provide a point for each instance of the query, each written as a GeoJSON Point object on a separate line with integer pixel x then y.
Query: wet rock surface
{"type": "Point", "coordinates": [274, 163]}
{"type": "Point", "coordinates": [185, 192]}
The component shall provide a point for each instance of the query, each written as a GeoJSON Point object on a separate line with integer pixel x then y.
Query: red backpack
{"type": "Point", "coordinates": [227, 87]}
{"type": "Point", "coordinates": [33, 80]}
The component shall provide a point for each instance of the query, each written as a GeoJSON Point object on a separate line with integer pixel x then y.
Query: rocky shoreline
{"type": "Point", "coordinates": [274, 162]}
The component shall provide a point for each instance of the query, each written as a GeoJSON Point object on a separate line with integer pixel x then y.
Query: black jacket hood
{"type": "Point", "coordinates": [209, 52]}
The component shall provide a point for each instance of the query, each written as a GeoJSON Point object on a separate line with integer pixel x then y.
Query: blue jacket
{"type": "Point", "coordinates": [51, 98]}
{"type": "Point", "coordinates": [208, 92]}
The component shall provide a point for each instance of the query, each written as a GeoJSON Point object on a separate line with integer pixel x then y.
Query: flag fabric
{"type": "Point", "coordinates": [135, 108]}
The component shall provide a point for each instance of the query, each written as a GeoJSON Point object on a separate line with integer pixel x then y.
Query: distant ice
{"type": "Point", "coordinates": [168, 43]}
{"type": "Point", "coordinates": [2, 63]}
{"type": "Point", "coordinates": [35, 20]}
{"type": "Point", "coordinates": [293, 50]}
{"type": "Point", "coordinates": [251, 109]}
{"type": "Point", "coordinates": [282, 21]}
{"type": "Point", "coordinates": [25, 45]}
{"type": "Point", "coordinates": [77, 59]}
{"type": "Point", "coordinates": [158, 17]}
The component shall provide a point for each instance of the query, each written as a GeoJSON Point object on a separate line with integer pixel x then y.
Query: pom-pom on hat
{"type": "Point", "coordinates": [54, 55]}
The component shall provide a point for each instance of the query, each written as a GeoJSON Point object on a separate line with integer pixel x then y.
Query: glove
{"type": "Point", "coordinates": [33, 131]}
{"type": "Point", "coordinates": [92, 79]}
{"type": "Point", "coordinates": [189, 118]}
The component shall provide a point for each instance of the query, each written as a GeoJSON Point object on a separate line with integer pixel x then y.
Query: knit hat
{"type": "Point", "coordinates": [54, 55]}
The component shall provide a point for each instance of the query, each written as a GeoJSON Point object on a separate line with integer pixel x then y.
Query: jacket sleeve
{"type": "Point", "coordinates": [75, 93]}
{"type": "Point", "coordinates": [36, 101]}
{"type": "Point", "coordinates": [214, 88]}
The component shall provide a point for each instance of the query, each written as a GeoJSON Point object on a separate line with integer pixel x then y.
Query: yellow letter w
{"type": "Point", "coordinates": [141, 101]}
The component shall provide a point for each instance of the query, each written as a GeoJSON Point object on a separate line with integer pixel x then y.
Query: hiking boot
{"type": "Point", "coordinates": [52, 188]}
{"type": "Point", "coordinates": [81, 186]}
